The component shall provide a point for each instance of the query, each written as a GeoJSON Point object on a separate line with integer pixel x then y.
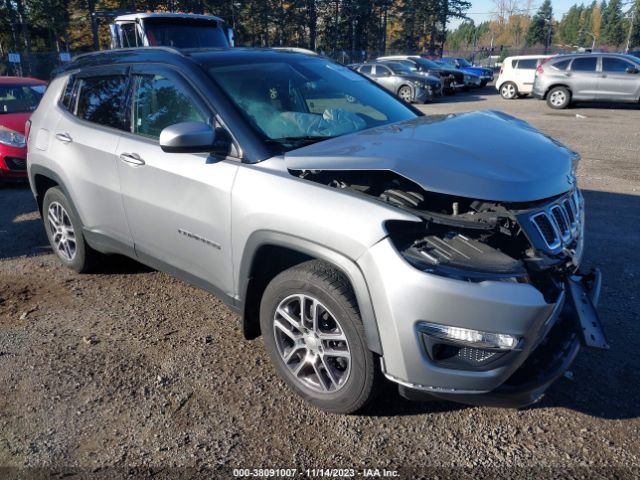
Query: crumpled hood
{"type": "Point", "coordinates": [485, 155]}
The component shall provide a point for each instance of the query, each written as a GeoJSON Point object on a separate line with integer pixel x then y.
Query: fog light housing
{"type": "Point", "coordinates": [467, 336]}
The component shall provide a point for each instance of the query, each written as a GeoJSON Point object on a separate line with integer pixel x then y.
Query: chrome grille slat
{"type": "Point", "coordinates": [559, 222]}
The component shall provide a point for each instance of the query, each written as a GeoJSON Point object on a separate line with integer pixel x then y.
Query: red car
{"type": "Point", "coordinates": [19, 97]}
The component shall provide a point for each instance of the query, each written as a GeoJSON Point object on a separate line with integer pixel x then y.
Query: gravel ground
{"type": "Point", "coordinates": [132, 373]}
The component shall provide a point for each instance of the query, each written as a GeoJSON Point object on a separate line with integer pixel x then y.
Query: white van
{"type": "Point", "coordinates": [517, 75]}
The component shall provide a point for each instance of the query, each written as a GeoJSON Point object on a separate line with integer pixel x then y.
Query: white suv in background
{"type": "Point", "coordinates": [517, 75]}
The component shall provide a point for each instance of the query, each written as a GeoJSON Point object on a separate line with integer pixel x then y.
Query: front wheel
{"type": "Point", "coordinates": [405, 93]}
{"type": "Point", "coordinates": [559, 98]}
{"type": "Point", "coordinates": [314, 335]}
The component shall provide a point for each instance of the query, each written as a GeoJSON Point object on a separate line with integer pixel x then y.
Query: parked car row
{"type": "Point", "coordinates": [564, 79]}
{"type": "Point", "coordinates": [417, 79]}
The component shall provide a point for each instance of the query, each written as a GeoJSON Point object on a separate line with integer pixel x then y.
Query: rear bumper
{"type": "Point", "coordinates": [538, 92]}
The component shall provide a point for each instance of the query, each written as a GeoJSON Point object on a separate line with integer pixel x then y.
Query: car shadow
{"type": "Point", "coordinates": [603, 384]}
{"type": "Point", "coordinates": [22, 232]}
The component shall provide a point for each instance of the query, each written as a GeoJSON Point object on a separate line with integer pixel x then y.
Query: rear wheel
{"type": "Point", "coordinates": [315, 338]}
{"type": "Point", "coordinates": [509, 90]}
{"type": "Point", "coordinates": [404, 92]}
{"type": "Point", "coordinates": [64, 231]}
{"type": "Point", "coordinates": [559, 97]}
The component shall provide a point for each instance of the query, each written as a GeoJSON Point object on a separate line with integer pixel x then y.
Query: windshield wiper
{"type": "Point", "coordinates": [301, 139]}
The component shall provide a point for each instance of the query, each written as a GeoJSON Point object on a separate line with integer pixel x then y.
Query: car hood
{"type": "Point", "coordinates": [476, 70]}
{"type": "Point", "coordinates": [485, 155]}
{"type": "Point", "coordinates": [14, 121]}
{"type": "Point", "coordinates": [421, 78]}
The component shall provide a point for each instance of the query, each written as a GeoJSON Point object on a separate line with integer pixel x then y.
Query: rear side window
{"type": "Point", "coordinates": [527, 64]}
{"type": "Point", "coordinates": [561, 65]}
{"type": "Point", "coordinates": [366, 69]}
{"type": "Point", "coordinates": [584, 64]}
{"type": "Point", "coordinates": [67, 96]}
{"type": "Point", "coordinates": [101, 100]}
{"type": "Point", "coordinates": [615, 65]}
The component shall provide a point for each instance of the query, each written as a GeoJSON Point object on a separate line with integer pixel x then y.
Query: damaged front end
{"type": "Point", "coordinates": [538, 243]}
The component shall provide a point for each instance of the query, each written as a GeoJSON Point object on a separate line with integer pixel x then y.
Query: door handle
{"type": "Point", "coordinates": [132, 158]}
{"type": "Point", "coordinates": [64, 137]}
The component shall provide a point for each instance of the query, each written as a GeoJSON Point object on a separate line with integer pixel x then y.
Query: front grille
{"type": "Point", "coordinates": [558, 223]}
{"type": "Point", "coordinates": [15, 163]}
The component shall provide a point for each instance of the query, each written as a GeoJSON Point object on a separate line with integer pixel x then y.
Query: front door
{"type": "Point", "coordinates": [619, 79]}
{"type": "Point", "coordinates": [178, 205]}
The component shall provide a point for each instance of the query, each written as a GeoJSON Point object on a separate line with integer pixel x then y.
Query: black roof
{"type": "Point", "coordinates": [177, 56]}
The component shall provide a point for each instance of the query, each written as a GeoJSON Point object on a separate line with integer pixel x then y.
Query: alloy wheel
{"type": "Point", "coordinates": [63, 235]}
{"type": "Point", "coordinates": [508, 91]}
{"type": "Point", "coordinates": [558, 98]}
{"type": "Point", "coordinates": [405, 94]}
{"type": "Point", "coordinates": [311, 343]}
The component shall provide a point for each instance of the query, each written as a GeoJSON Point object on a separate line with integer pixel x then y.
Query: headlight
{"type": "Point", "coordinates": [11, 138]}
{"type": "Point", "coordinates": [418, 84]}
{"type": "Point", "coordinates": [456, 256]}
{"type": "Point", "coordinates": [467, 78]}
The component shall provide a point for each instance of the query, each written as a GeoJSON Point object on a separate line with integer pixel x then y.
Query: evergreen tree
{"type": "Point", "coordinates": [613, 25]}
{"type": "Point", "coordinates": [541, 27]}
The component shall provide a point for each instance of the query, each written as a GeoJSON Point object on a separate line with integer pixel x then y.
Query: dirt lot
{"type": "Point", "coordinates": [130, 372]}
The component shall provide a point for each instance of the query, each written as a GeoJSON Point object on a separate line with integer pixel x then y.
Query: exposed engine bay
{"type": "Point", "coordinates": [459, 237]}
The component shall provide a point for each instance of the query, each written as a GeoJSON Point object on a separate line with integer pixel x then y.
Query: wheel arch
{"type": "Point", "coordinates": [556, 85]}
{"type": "Point", "coordinates": [268, 253]}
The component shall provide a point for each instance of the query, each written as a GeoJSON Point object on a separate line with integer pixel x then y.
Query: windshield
{"type": "Point", "coordinates": [20, 98]}
{"type": "Point", "coordinates": [294, 100]}
{"type": "Point", "coordinates": [427, 63]}
{"type": "Point", "coordinates": [463, 62]}
{"type": "Point", "coordinates": [184, 33]}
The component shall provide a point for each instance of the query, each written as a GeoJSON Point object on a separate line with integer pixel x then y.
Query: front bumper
{"type": "Point", "coordinates": [502, 307]}
{"type": "Point", "coordinates": [13, 164]}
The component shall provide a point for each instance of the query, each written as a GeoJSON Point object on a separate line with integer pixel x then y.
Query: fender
{"type": "Point", "coordinates": [345, 265]}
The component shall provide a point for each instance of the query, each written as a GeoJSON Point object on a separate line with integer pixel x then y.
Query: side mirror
{"type": "Point", "coordinates": [632, 70]}
{"type": "Point", "coordinates": [187, 137]}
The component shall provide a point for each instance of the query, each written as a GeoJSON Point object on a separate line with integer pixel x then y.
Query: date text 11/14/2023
{"type": "Point", "coordinates": [315, 472]}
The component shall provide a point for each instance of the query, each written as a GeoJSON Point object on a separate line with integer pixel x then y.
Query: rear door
{"type": "Point", "coordinates": [584, 77]}
{"type": "Point", "coordinates": [525, 73]}
{"type": "Point", "coordinates": [84, 147]}
{"type": "Point", "coordinates": [178, 205]}
{"type": "Point", "coordinates": [385, 77]}
{"type": "Point", "coordinates": [619, 79]}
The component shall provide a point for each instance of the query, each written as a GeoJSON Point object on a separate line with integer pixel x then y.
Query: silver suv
{"type": "Point", "coordinates": [353, 233]}
{"type": "Point", "coordinates": [591, 77]}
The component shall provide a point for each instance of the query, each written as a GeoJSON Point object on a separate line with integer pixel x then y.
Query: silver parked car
{"type": "Point", "coordinates": [355, 234]}
{"type": "Point", "coordinates": [601, 77]}
{"type": "Point", "coordinates": [400, 80]}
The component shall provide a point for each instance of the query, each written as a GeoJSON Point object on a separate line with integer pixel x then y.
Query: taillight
{"type": "Point", "coordinates": [539, 70]}
{"type": "Point", "coordinates": [27, 129]}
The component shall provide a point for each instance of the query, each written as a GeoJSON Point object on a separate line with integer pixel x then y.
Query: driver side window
{"type": "Point", "coordinates": [158, 103]}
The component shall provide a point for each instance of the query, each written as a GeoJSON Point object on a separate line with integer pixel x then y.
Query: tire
{"type": "Point", "coordinates": [404, 92]}
{"type": "Point", "coordinates": [559, 98]}
{"type": "Point", "coordinates": [508, 90]}
{"type": "Point", "coordinates": [334, 375]}
{"type": "Point", "coordinates": [64, 231]}
{"type": "Point", "coordinates": [450, 89]}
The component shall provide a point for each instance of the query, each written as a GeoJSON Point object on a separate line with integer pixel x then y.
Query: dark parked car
{"type": "Point", "coordinates": [462, 64]}
{"type": "Point", "coordinates": [452, 79]}
{"type": "Point", "coordinates": [400, 80]}
{"type": "Point", "coordinates": [599, 77]}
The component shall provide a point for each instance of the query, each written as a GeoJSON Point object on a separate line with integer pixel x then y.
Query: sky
{"type": "Point", "coordinates": [481, 10]}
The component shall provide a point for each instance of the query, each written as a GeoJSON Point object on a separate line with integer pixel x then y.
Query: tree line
{"type": "Point", "coordinates": [611, 25]}
{"type": "Point", "coordinates": [328, 25]}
